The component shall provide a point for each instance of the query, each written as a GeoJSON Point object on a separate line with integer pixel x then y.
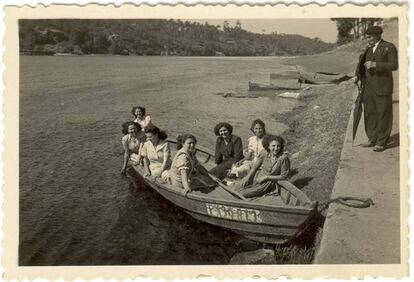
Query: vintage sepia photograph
{"type": "Point", "coordinates": [208, 140]}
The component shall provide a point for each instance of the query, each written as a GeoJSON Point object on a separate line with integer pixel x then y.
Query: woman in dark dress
{"type": "Point", "coordinates": [229, 149]}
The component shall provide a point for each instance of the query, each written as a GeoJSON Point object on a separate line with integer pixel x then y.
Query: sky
{"type": "Point", "coordinates": [325, 29]}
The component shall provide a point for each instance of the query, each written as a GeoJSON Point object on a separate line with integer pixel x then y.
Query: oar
{"type": "Point", "coordinates": [222, 185]}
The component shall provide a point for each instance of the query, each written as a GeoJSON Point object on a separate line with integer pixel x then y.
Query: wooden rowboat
{"type": "Point", "coordinates": [273, 218]}
{"type": "Point", "coordinates": [320, 77]}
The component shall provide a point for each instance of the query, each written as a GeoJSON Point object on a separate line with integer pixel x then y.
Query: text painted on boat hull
{"type": "Point", "coordinates": [241, 214]}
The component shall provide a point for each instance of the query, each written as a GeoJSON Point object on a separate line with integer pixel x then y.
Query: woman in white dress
{"type": "Point", "coordinates": [132, 143]}
{"type": "Point", "coordinates": [156, 152]}
{"type": "Point", "coordinates": [140, 117]}
{"type": "Point", "coordinates": [253, 150]}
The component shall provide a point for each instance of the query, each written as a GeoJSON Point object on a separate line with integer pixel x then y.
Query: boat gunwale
{"type": "Point", "coordinates": [283, 183]}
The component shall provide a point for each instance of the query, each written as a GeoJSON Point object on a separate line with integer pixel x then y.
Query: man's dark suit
{"type": "Point", "coordinates": [378, 86]}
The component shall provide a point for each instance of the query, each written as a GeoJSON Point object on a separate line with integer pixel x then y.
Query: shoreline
{"type": "Point", "coordinates": [317, 126]}
{"type": "Point", "coordinates": [315, 134]}
{"type": "Point", "coordinates": [314, 139]}
{"type": "Point", "coordinates": [172, 56]}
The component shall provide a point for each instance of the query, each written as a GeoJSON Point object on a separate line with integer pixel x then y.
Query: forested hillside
{"type": "Point", "coordinates": [158, 37]}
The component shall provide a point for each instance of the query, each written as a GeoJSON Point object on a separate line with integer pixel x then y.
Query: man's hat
{"type": "Point", "coordinates": [372, 30]}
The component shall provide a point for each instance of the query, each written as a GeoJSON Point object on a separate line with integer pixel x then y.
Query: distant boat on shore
{"type": "Point", "coordinates": [294, 79]}
{"type": "Point", "coordinates": [264, 87]}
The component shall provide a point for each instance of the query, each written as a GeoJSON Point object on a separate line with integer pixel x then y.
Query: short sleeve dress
{"type": "Point", "coordinates": [132, 145]}
{"type": "Point", "coordinates": [279, 167]}
{"type": "Point", "coordinates": [185, 161]}
{"type": "Point", "coordinates": [156, 155]}
{"type": "Point", "coordinates": [182, 161]}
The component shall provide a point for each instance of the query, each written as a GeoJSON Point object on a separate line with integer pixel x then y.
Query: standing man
{"type": "Point", "coordinates": [375, 73]}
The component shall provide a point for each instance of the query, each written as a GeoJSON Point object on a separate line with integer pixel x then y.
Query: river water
{"type": "Point", "coordinates": [75, 208]}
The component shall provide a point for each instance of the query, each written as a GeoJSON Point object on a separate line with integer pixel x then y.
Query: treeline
{"type": "Point", "coordinates": [350, 29]}
{"type": "Point", "coordinates": [158, 37]}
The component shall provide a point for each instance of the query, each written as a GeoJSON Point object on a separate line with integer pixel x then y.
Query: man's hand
{"type": "Point", "coordinates": [370, 65]}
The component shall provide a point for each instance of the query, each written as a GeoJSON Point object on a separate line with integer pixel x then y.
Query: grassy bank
{"type": "Point", "coordinates": [317, 127]}
{"type": "Point", "coordinates": [315, 138]}
{"type": "Point", "coordinates": [315, 135]}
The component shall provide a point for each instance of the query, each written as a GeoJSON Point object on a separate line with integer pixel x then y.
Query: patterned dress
{"type": "Point", "coordinates": [131, 145]}
{"type": "Point", "coordinates": [185, 161]}
{"type": "Point", "coordinates": [279, 166]}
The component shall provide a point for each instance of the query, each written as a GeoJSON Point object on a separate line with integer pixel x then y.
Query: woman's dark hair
{"type": "Point", "coordinates": [138, 107]}
{"type": "Point", "coordinates": [223, 124]}
{"type": "Point", "coordinates": [125, 126]}
{"type": "Point", "coordinates": [269, 138]}
{"type": "Point", "coordinates": [258, 121]}
{"type": "Point", "coordinates": [188, 136]}
{"type": "Point", "coordinates": [156, 131]}
{"type": "Point", "coordinates": [182, 138]}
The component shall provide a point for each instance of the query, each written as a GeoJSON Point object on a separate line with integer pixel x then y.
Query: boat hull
{"type": "Point", "coordinates": [262, 87]}
{"type": "Point", "coordinates": [257, 222]}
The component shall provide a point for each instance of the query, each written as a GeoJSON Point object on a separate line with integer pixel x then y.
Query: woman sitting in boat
{"type": "Point", "coordinates": [229, 149]}
{"type": "Point", "coordinates": [186, 172]}
{"type": "Point", "coordinates": [252, 152]}
{"type": "Point", "coordinates": [125, 128]}
{"type": "Point", "coordinates": [274, 164]}
{"type": "Point", "coordinates": [132, 143]}
{"type": "Point", "coordinates": [140, 117]}
{"type": "Point", "coordinates": [156, 152]}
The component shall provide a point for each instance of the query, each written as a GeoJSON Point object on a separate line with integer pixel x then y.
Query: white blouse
{"type": "Point", "coordinates": [144, 122]}
{"type": "Point", "coordinates": [255, 145]}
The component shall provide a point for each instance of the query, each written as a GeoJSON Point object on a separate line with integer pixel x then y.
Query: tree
{"type": "Point", "coordinates": [226, 27]}
{"type": "Point", "coordinates": [364, 23]}
{"type": "Point", "coordinates": [152, 37]}
{"type": "Point", "coordinates": [238, 25]}
{"type": "Point", "coordinates": [344, 27]}
{"type": "Point", "coordinates": [79, 36]}
{"type": "Point", "coordinates": [353, 28]}
{"type": "Point", "coordinates": [100, 44]}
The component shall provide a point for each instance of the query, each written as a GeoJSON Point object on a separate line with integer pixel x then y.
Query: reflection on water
{"type": "Point", "coordinates": [75, 208]}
